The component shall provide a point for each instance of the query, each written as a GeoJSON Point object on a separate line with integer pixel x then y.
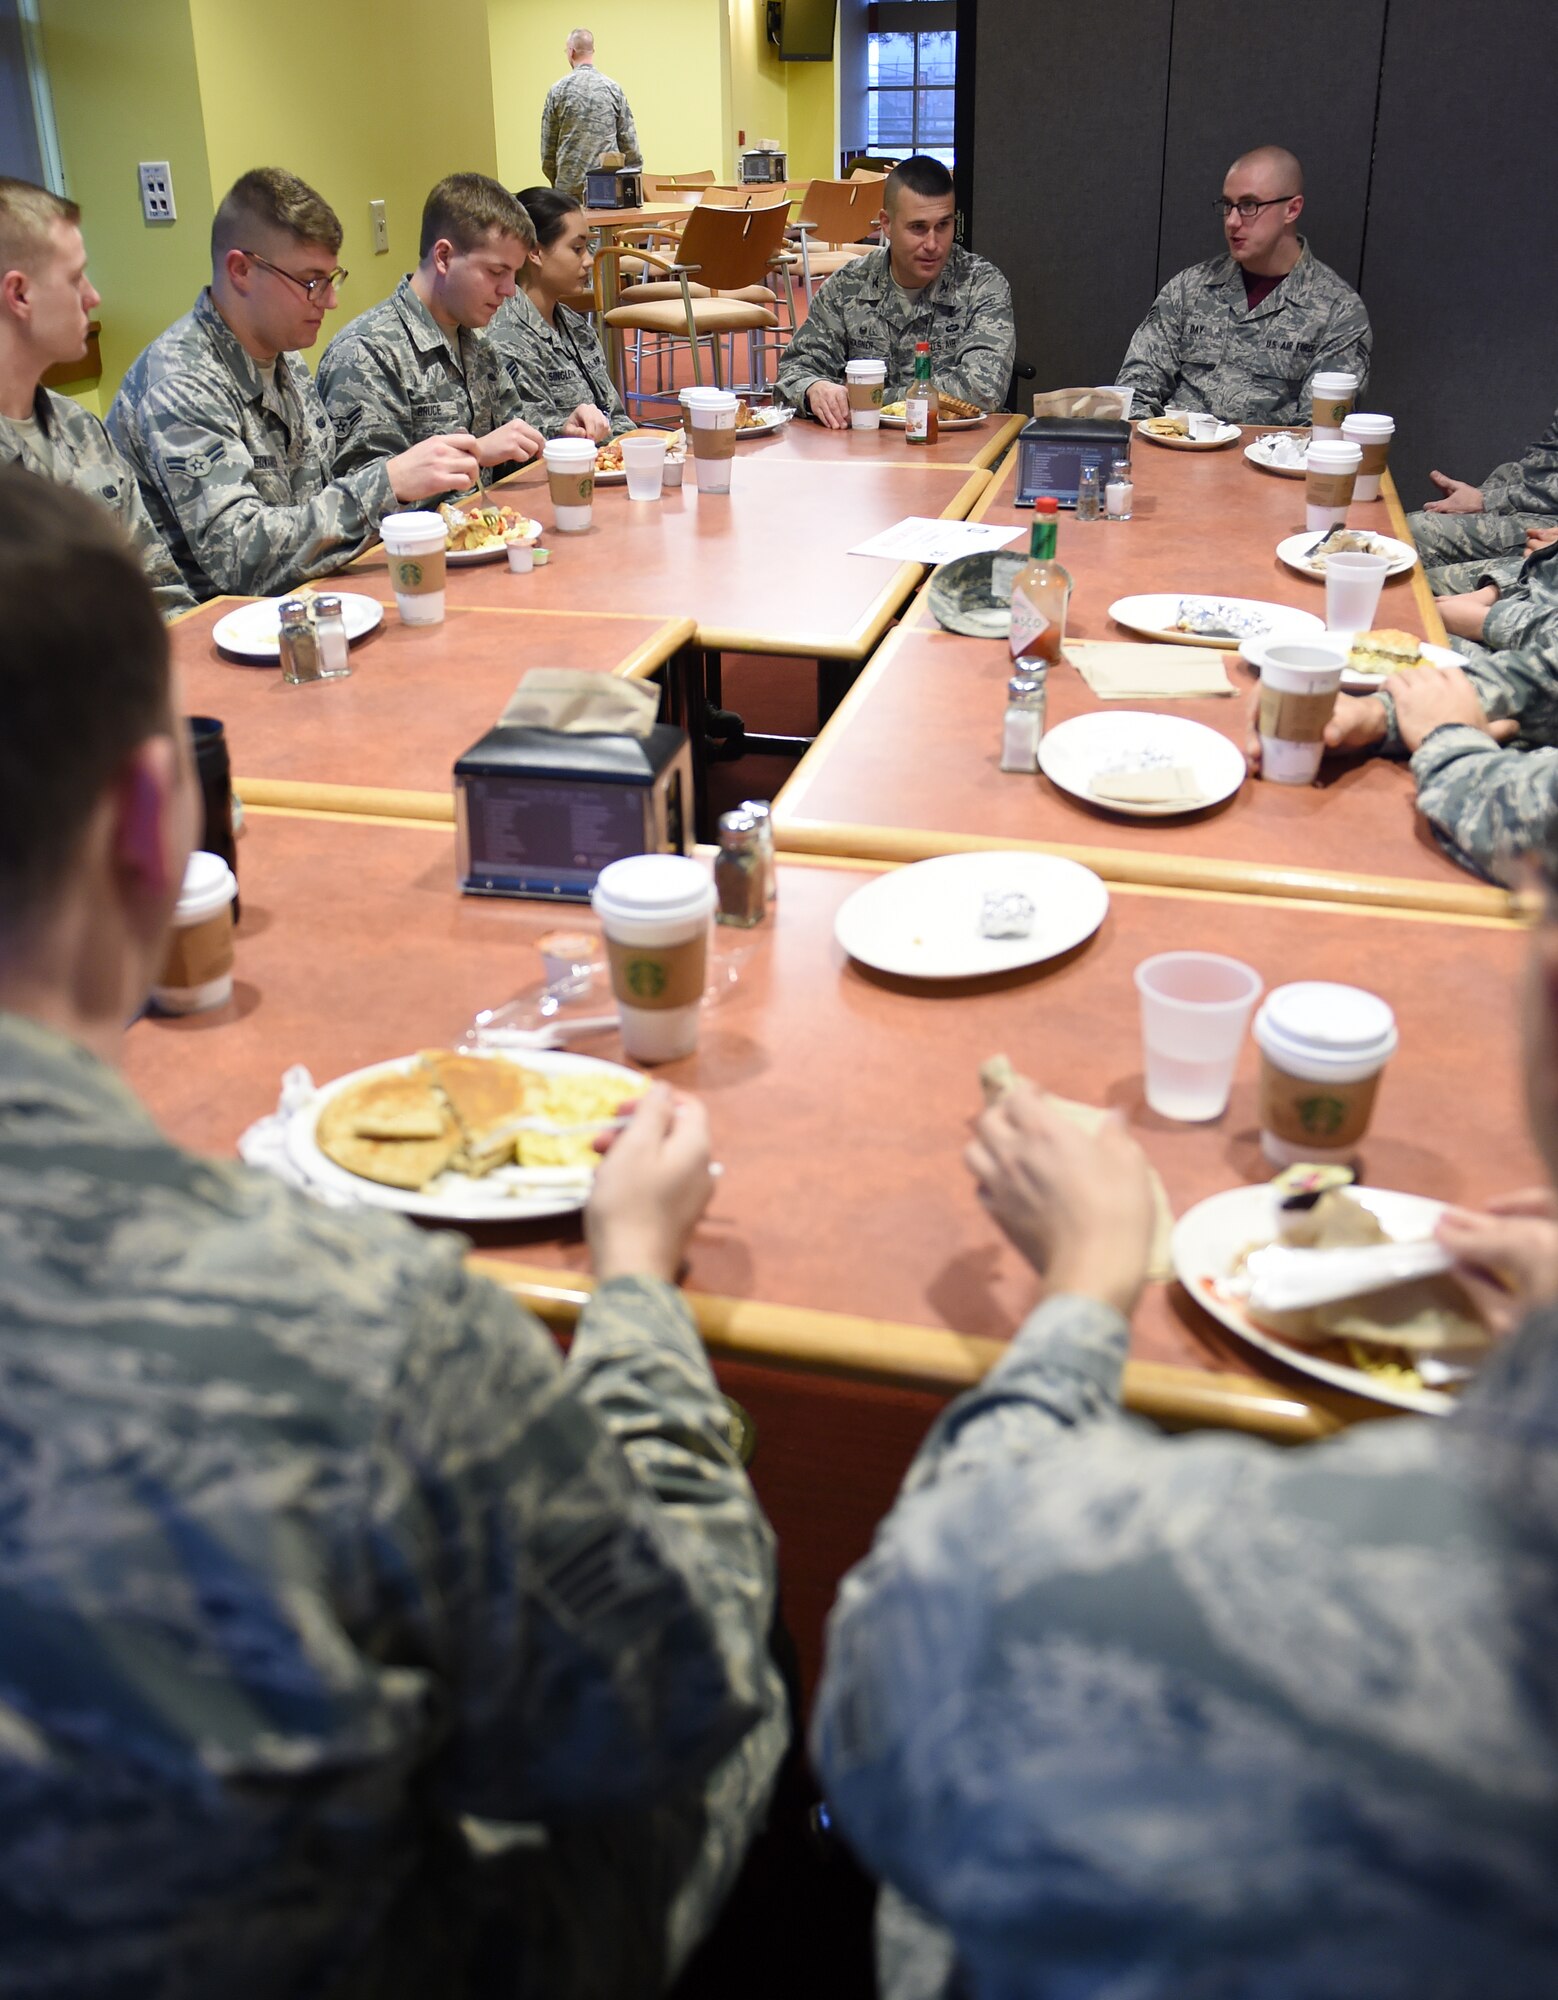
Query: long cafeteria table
{"type": "Point", "coordinates": [908, 766]}
{"type": "Point", "coordinates": [847, 1279]}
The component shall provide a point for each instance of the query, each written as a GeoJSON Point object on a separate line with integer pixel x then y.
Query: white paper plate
{"type": "Point", "coordinates": [463, 558]}
{"type": "Point", "coordinates": [1209, 1238]}
{"type": "Point", "coordinates": [922, 922]}
{"type": "Point", "coordinates": [1127, 740]}
{"type": "Point", "coordinates": [1153, 613]}
{"type": "Point", "coordinates": [1295, 551]}
{"type": "Point", "coordinates": [1226, 433]}
{"type": "Point", "coordinates": [1258, 458]}
{"type": "Point", "coordinates": [251, 632]}
{"type": "Point", "coordinates": [1355, 683]}
{"type": "Point", "coordinates": [773, 418]}
{"type": "Point", "coordinates": [942, 423]}
{"type": "Point", "coordinates": [510, 1194]}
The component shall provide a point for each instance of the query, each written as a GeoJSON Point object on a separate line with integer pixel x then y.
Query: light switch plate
{"type": "Point", "coordinates": [380, 228]}
{"type": "Point", "coordinates": [157, 191]}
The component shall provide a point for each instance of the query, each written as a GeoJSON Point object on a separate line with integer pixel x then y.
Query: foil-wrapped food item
{"type": "Point", "coordinates": [1212, 618]}
{"type": "Point", "coordinates": [1005, 914]}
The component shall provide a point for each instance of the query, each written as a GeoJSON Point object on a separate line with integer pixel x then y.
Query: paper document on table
{"type": "Point", "coordinates": [921, 540]}
{"type": "Point", "coordinates": [1117, 670]}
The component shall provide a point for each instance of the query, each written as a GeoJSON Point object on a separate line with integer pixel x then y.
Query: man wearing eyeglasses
{"type": "Point", "coordinates": [1242, 336]}
{"type": "Point", "coordinates": [224, 428]}
{"type": "Point", "coordinates": [416, 366]}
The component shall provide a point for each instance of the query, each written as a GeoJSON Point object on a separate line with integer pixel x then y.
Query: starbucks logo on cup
{"type": "Point", "coordinates": [1321, 1116]}
{"type": "Point", "coordinates": [646, 978]}
{"type": "Point", "coordinates": [410, 573]}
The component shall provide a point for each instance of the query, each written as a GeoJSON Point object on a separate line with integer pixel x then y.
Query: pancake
{"type": "Point", "coordinates": [486, 1094]}
{"type": "Point", "coordinates": [351, 1131]}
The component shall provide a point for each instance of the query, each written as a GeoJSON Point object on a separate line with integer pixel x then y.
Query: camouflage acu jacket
{"type": "Point", "coordinates": [553, 369]}
{"type": "Point", "coordinates": [394, 377]}
{"type": "Point", "coordinates": [235, 472]}
{"type": "Point", "coordinates": [859, 313]}
{"type": "Point", "coordinates": [1145, 1716]}
{"type": "Point", "coordinates": [70, 446]}
{"type": "Point", "coordinates": [1201, 348]}
{"type": "Point", "coordinates": [585, 115]}
{"type": "Point", "coordinates": [1528, 484]}
{"type": "Point", "coordinates": [352, 1642]}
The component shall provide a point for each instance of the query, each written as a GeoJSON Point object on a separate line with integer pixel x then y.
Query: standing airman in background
{"type": "Point", "coordinates": [585, 115]}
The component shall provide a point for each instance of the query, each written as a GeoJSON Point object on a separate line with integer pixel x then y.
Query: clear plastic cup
{"type": "Point", "coordinates": [1195, 1008]}
{"type": "Point", "coordinates": [1299, 681]}
{"type": "Point", "coordinates": [1126, 394]}
{"type": "Point", "coordinates": [864, 381]}
{"type": "Point", "coordinates": [570, 475]}
{"type": "Point", "coordinates": [416, 544]}
{"type": "Point", "coordinates": [643, 457]}
{"type": "Point", "coordinates": [1353, 583]}
{"type": "Point", "coordinates": [654, 910]}
{"type": "Point", "coordinates": [711, 436]}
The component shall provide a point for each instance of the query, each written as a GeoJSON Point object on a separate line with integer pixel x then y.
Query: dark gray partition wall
{"type": "Point", "coordinates": [1460, 265]}
{"type": "Point", "coordinates": [1068, 152]}
{"type": "Point", "coordinates": [1100, 134]}
{"type": "Point", "coordinates": [1246, 75]}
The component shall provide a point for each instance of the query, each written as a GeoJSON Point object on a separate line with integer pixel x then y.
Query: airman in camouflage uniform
{"type": "Point", "coordinates": [585, 115]}
{"type": "Point", "coordinates": [394, 376]}
{"type": "Point", "coordinates": [553, 369]}
{"type": "Point", "coordinates": [1460, 551]}
{"type": "Point", "coordinates": [67, 443]}
{"type": "Point", "coordinates": [1118, 1713]}
{"type": "Point", "coordinates": [1202, 348]}
{"type": "Point", "coordinates": [237, 470]}
{"type": "Point", "coordinates": [862, 313]}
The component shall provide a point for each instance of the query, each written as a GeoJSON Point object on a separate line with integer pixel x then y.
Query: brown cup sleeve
{"type": "Point", "coordinates": [658, 976]}
{"type": "Point", "coordinates": [1295, 718]}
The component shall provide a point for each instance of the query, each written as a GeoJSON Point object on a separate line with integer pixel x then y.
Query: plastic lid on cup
{"type": "Point", "coordinates": [208, 884]}
{"type": "Point", "coordinates": [1335, 382]}
{"type": "Point", "coordinates": [412, 529]}
{"type": "Point", "coordinates": [709, 399]}
{"type": "Point", "coordinates": [865, 371]}
{"type": "Point", "coordinates": [568, 451]}
{"type": "Point", "coordinates": [1334, 1033]}
{"type": "Point", "coordinates": [1334, 454]}
{"type": "Point", "coordinates": [653, 888]}
{"type": "Point", "coordinates": [1367, 423]}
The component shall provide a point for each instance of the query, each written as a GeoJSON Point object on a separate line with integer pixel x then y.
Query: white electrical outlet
{"type": "Point", "coordinates": [157, 191]}
{"type": "Point", "coordinates": [380, 228]}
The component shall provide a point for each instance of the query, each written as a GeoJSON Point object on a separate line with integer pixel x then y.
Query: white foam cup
{"type": "Point", "coordinates": [643, 456]}
{"type": "Point", "coordinates": [570, 476]}
{"type": "Point", "coordinates": [711, 435]}
{"type": "Point", "coordinates": [1330, 476]}
{"type": "Point", "coordinates": [1299, 679]}
{"type": "Point", "coordinates": [197, 970]}
{"type": "Point", "coordinates": [416, 544]}
{"type": "Point", "coordinates": [1372, 433]}
{"type": "Point", "coordinates": [1123, 390]}
{"type": "Point", "coordinates": [1323, 1047]}
{"type": "Point", "coordinates": [1353, 582]}
{"type": "Point", "coordinates": [865, 380]}
{"type": "Point", "coordinates": [1331, 394]}
{"type": "Point", "coordinates": [1203, 426]}
{"type": "Point", "coordinates": [1195, 1008]}
{"type": "Point", "coordinates": [654, 910]}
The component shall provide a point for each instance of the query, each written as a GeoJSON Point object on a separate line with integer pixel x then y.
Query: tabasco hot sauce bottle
{"type": "Point", "coordinates": [1040, 595]}
{"type": "Point", "coordinates": [922, 406]}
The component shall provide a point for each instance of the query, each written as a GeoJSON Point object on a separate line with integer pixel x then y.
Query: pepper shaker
{"type": "Point", "coordinates": [738, 872]}
{"type": "Point", "coordinates": [296, 643]}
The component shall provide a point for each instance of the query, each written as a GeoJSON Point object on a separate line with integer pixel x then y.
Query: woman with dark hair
{"type": "Point", "coordinates": [549, 352]}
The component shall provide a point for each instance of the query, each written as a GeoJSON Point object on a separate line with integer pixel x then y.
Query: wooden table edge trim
{"type": "Point", "coordinates": [1475, 903]}
{"type": "Point", "coordinates": [895, 1355]}
{"type": "Point", "coordinates": [343, 801]}
{"type": "Point", "coordinates": [1005, 436]}
{"type": "Point", "coordinates": [1422, 592]}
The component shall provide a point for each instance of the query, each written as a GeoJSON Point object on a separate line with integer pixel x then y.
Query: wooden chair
{"type": "Point", "coordinates": [730, 250]}
{"type": "Point", "coordinates": [666, 187]}
{"type": "Point", "coordinates": [835, 218]}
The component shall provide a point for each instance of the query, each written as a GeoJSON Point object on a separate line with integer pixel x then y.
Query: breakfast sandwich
{"type": "Point", "coordinates": [1385, 652]}
{"type": "Point", "coordinates": [486, 1095]}
{"type": "Point", "coordinates": [393, 1128]}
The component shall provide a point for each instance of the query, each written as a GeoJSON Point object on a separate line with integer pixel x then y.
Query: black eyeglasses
{"type": "Point", "coordinates": [1250, 209]}
{"type": "Point", "coordinates": [307, 286]}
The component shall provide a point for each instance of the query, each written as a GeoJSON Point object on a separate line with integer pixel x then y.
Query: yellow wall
{"type": "Point", "coordinates": [125, 89]}
{"type": "Point", "coordinates": [670, 60]}
{"type": "Point", "coordinates": [813, 97]}
{"type": "Point", "coordinates": [759, 100]}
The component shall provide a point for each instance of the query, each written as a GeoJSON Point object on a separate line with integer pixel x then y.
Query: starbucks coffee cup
{"type": "Point", "coordinates": [416, 544]}
{"type": "Point", "coordinates": [864, 381]}
{"type": "Point", "coordinates": [570, 476]}
{"type": "Point", "coordinates": [1330, 474]}
{"type": "Point", "coordinates": [197, 971]}
{"type": "Point", "coordinates": [1372, 434]}
{"type": "Point", "coordinates": [654, 910]}
{"type": "Point", "coordinates": [1299, 679]}
{"type": "Point", "coordinates": [1323, 1048]}
{"type": "Point", "coordinates": [1331, 399]}
{"type": "Point", "coordinates": [711, 434]}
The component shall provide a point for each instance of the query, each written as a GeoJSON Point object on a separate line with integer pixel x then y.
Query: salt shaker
{"type": "Point", "coordinates": [1118, 493]}
{"type": "Point", "coordinates": [738, 872]}
{"type": "Point", "coordinates": [1088, 494]}
{"type": "Point", "coordinates": [762, 816]}
{"type": "Point", "coordinates": [330, 639]}
{"type": "Point", "coordinates": [296, 643]}
{"type": "Point", "coordinates": [1023, 724]}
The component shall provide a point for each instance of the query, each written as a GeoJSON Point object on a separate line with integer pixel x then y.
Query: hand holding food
{"type": "Point", "coordinates": [514, 440]}
{"type": "Point", "coordinates": [650, 1190]}
{"type": "Point", "coordinates": [587, 421]}
{"type": "Point", "coordinates": [1078, 1205]}
{"type": "Point", "coordinates": [1506, 1257]}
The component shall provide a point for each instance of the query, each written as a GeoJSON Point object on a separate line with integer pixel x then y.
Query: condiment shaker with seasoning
{"type": "Point", "coordinates": [762, 815]}
{"type": "Point", "coordinates": [1088, 491]}
{"type": "Point", "coordinates": [738, 872]}
{"type": "Point", "coordinates": [296, 642]}
{"type": "Point", "coordinates": [1024, 722]}
{"type": "Point", "coordinates": [330, 639]}
{"type": "Point", "coordinates": [1119, 492]}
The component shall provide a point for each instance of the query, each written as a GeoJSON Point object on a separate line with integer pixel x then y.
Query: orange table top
{"type": "Point", "coordinates": [765, 568]}
{"type": "Point", "coordinates": [812, 442]}
{"type": "Point", "coordinates": [417, 695]}
{"type": "Point", "coordinates": [840, 1100]}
